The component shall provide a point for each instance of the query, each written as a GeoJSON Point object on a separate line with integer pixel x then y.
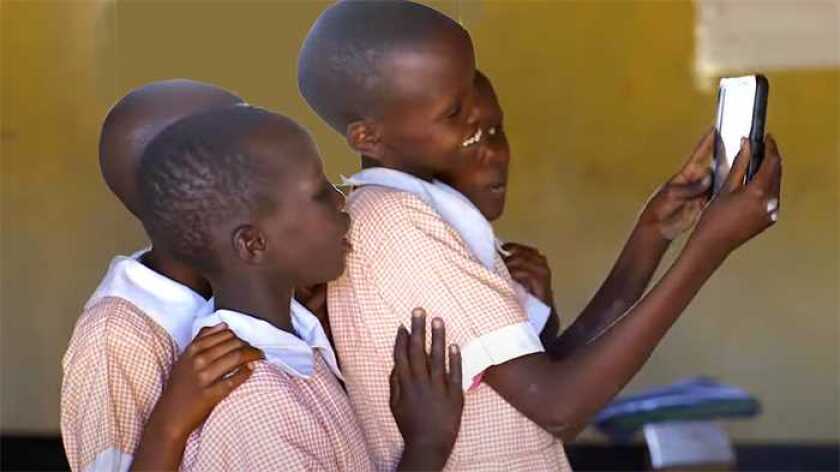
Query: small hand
{"type": "Point", "coordinates": [426, 400]}
{"type": "Point", "coordinates": [741, 211]}
{"type": "Point", "coordinates": [676, 205]}
{"type": "Point", "coordinates": [213, 365]}
{"type": "Point", "coordinates": [530, 268]}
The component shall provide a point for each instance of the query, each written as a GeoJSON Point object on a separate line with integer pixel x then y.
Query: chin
{"type": "Point", "coordinates": [326, 272]}
{"type": "Point", "coordinates": [493, 210]}
{"type": "Point", "coordinates": [338, 271]}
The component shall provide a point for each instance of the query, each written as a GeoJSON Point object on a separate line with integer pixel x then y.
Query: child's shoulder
{"type": "Point", "coordinates": [114, 326]}
{"type": "Point", "coordinates": [272, 418]}
{"type": "Point", "coordinates": [268, 393]}
{"type": "Point", "coordinates": [112, 312]}
{"type": "Point", "coordinates": [378, 207]}
{"type": "Point", "coordinates": [373, 198]}
{"type": "Point", "coordinates": [116, 316]}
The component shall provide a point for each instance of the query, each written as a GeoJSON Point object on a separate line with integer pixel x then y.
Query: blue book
{"type": "Point", "coordinates": [695, 399]}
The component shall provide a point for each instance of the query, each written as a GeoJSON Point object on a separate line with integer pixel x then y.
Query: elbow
{"type": "Point", "coordinates": [563, 424]}
{"type": "Point", "coordinates": [562, 431]}
{"type": "Point", "coordinates": [544, 407]}
{"type": "Point", "coordinates": [570, 433]}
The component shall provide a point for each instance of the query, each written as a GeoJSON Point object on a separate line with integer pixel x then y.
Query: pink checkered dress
{"type": "Point", "coordinates": [405, 256]}
{"type": "Point", "coordinates": [129, 335]}
{"type": "Point", "coordinates": [114, 372]}
{"type": "Point", "coordinates": [291, 414]}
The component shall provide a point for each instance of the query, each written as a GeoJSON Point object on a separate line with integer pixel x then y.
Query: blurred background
{"type": "Point", "coordinates": [603, 101]}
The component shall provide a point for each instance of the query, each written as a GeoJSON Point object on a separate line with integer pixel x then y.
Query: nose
{"type": "Point", "coordinates": [339, 198]}
{"type": "Point", "coordinates": [487, 154]}
{"type": "Point", "coordinates": [473, 109]}
{"type": "Point", "coordinates": [494, 155]}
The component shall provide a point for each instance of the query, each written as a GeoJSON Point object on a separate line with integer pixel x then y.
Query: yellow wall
{"type": "Point", "coordinates": [601, 107]}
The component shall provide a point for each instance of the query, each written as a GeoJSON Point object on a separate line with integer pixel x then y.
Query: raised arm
{"type": "Point", "coordinates": [562, 392]}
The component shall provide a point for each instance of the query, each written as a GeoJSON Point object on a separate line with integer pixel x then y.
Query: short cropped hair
{"type": "Point", "coordinates": [195, 175]}
{"type": "Point", "coordinates": [339, 68]}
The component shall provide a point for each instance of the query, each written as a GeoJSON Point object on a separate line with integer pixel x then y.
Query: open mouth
{"type": "Point", "coordinates": [474, 139]}
{"type": "Point", "coordinates": [346, 244]}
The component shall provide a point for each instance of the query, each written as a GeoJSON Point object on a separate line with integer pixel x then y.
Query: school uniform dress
{"type": "Point", "coordinates": [291, 414]}
{"type": "Point", "coordinates": [424, 244]}
{"type": "Point", "coordinates": [130, 333]}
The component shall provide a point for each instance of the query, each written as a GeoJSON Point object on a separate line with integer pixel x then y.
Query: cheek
{"type": "Point", "coordinates": [426, 134]}
{"type": "Point", "coordinates": [451, 136]}
{"type": "Point", "coordinates": [303, 237]}
{"type": "Point", "coordinates": [325, 235]}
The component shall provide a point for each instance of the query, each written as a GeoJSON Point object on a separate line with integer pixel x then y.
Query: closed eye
{"type": "Point", "coordinates": [324, 191]}
{"type": "Point", "coordinates": [454, 111]}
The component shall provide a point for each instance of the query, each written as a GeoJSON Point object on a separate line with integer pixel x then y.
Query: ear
{"type": "Point", "coordinates": [249, 244]}
{"type": "Point", "coordinates": [365, 137]}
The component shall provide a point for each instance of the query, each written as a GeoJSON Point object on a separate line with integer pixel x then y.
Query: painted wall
{"type": "Point", "coordinates": [601, 107]}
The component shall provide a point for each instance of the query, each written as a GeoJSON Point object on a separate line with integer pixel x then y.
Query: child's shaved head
{"type": "Point", "coordinates": [242, 189]}
{"type": "Point", "coordinates": [199, 173]}
{"type": "Point", "coordinates": [343, 64]}
{"type": "Point", "coordinates": [136, 119]}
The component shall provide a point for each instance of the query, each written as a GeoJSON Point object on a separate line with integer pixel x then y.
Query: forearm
{"type": "Point", "coordinates": [567, 391]}
{"type": "Point", "coordinates": [624, 285]}
{"type": "Point", "coordinates": [548, 335]}
{"type": "Point", "coordinates": [600, 370]}
{"type": "Point", "coordinates": [161, 447]}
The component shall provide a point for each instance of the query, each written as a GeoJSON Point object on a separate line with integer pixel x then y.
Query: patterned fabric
{"type": "Point", "coordinates": [168, 303]}
{"type": "Point", "coordinates": [291, 414]}
{"type": "Point", "coordinates": [129, 335]}
{"type": "Point", "coordinates": [462, 216]}
{"type": "Point", "coordinates": [280, 421]}
{"type": "Point", "coordinates": [114, 371]}
{"type": "Point", "coordinates": [291, 352]}
{"type": "Point", "coordinates": [404, 255]}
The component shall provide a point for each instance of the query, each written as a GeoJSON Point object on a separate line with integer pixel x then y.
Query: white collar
{"type": "Point", "coordinates": [463, 216]}
{"type": "Point", "coordinates": [293, 354]}
{"type": "Point", "coordinates": [168, 303]}
{"type": "Point", "coordinates": [456, 209]}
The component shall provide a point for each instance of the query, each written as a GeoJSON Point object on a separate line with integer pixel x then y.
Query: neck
{"type": "Point", "coordinates": [260, 297]}
{"type": "Point", "coordinates": [159, 262]}
{"type": "Point", "coordinates": [369, 163]}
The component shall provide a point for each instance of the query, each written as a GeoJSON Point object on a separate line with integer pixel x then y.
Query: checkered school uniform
{"type": "Point", "coordinates": [291, 414]}
{"type": "Point", "coordinates": [130, 333]}
{"type": "Point", "coordinates": [404, 256]}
